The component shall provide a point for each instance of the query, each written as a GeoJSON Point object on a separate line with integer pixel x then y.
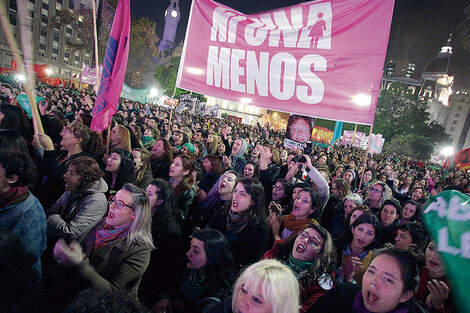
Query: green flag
{"type": "Point", "coordinates": [447, 217]}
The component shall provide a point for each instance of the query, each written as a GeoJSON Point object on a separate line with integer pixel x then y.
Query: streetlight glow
{"type": "Point", "coordinates": [447, 151]}
{"type": "Point", "coordinates": [153, 92]}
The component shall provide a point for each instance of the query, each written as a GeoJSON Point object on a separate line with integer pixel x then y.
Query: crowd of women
{"type": "Point", "coordinates": [190, 213]}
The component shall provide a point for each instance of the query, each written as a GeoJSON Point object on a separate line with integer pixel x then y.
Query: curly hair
{"type": "Point", "coordinates": [324, 263]}
{"type": "Point", "coordinates": [21, 165]}
{"type": "Point", "coordinates": [88, 170]}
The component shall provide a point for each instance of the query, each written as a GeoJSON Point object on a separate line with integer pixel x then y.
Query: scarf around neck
{"type": "Point", "coordinates": [109, 234]}
{"type": "Point", "coordinates": [14, 195]}
{"type": "Point", "coordinates": [237, 221]}
{"type": "Point", "coordinates": [295, 225]}
{"type": "Point", "coordinates": [298, 267]}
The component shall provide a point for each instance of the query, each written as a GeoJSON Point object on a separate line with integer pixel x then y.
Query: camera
{"type": "Point", "coordinates": [299, 158]}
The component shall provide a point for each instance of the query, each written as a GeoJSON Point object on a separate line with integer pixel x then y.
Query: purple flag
{"type": "Point", "coordinates": [114, 68]}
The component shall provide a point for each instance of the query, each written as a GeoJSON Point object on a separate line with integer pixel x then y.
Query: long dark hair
{"type": "Point", "coordinates": [126, 169]}
{"type": "Point", "coordinates": [15, 119]}
{"type": "Point", "coordinates": [316, 203]}
{"type": "Point", "coordinates": [220, 267]}
{"type": "Point", "coordinates": [164, 217]}
{"type": "Point", "coordinates": [254, 188]}
{"type": "Point", "coordinates": [363, 219]}
{"type": "Point", "coordinates": [325, 263]}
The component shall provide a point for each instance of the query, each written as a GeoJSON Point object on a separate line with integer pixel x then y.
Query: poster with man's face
{"type": "Point", "coordinates": [299, 131]}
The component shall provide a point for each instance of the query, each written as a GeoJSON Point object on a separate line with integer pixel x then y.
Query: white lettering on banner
{"type": "Point", "coordinates": [456, 211]}
{"type": "Point", "coordinates": [278, 74]}
{"type": "Point", "coordinates": [218, 67]}
{"type": "Point", "coordinates": [315, 33]}
{"type": "Point", "coordinates": [219, 23]}
{"type": "Point", "coordinates": [236, 70]}
{"type": "Point", "coordinates": [258, 73]}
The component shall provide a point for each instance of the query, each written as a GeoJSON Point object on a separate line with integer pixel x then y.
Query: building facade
{"type": "Point", "coordinates": [49, 40]}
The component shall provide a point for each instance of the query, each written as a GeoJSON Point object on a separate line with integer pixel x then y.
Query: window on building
{"type": "Point", "coordinates": [45, 6]}
{"type": "Point", "coordinates": [55, 50]}
{"type": "Point", "coordinates": [44, 19]}
{"type": "Point", "coordinates": [454, 122]}
{"type": "Point", "coordinates": [67, 54]}
{"type": "Point", "coordinates": [59, 1]}
{"type": "Point", "coordinates": [459, 108]}
{"type": "Point", "coordinates": [69, 30]}
{"type": "Point", "coordinates": [12, 17]}
{"type": "Point", "coordinates": [452, 129]}
{"type": "Point", "coordinates": [42, 46]}
{"type": "Point", "coordinates": [13, 5]}
{"type": "Point", "coordinates": [71, 5]}
{"type": "Point", "coordinates": [43, 32]}
{"type": "Point", "coordinates": [457, 115]}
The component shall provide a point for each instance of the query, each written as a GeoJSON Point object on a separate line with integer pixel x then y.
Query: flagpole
{"type": "Point", "coordinates": [19, 60]}
{"type": "Point", "coordinates": [97, 85]}
{"type": "Point", "coordinates": [365, 159]}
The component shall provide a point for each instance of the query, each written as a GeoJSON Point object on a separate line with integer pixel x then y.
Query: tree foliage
{"type": "Point", "coordinates": [142, 46]}
{"type": "Point", "coordinates": [405, 124]}
{"type": "Point", "coordinates": [166, 77]}
{"type": "Point", "coordinates": [81, 21]}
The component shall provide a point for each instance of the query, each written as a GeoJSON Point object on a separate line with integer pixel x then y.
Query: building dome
{"type": "Point", "coordinates": [441, 63]}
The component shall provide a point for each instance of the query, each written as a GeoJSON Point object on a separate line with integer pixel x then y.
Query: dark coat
{"type": "Point", "coordinates": [249, 245]}
{"type": "Point", "coordinates": [340, 299]}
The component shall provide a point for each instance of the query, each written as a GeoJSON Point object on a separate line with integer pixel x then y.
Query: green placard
{"type": "Point", "coordinates": [447, 218]}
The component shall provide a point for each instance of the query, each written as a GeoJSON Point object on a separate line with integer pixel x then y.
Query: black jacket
{"type": "Point", "coordinates": [340, 299]}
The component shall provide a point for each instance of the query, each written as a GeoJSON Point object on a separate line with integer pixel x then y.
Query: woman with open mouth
{"type": "Point", "coordinates": [389, 285]}
{"type": "Point", "coordinates": [354, 249]}
{"type": "Point", "coordinates": [306, 209]}
{"type": "Point", "coordinates": [434, 288]}
{"type": "Point", "coordinates": [312, 258]}
{"type": "Point", "coordinates": [243, 221]}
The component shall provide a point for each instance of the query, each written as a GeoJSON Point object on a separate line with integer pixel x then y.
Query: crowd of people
{"type": "Point", "coordinates": [191, 213]}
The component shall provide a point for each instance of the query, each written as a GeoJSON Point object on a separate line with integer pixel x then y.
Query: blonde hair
{"type": "Point", "coordinates": [139, 231]}
{"type": "Point", "coordinates": [277, 283]}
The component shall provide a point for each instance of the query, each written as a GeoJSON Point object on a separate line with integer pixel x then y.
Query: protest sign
{"type": "Point", "coordinates": [318, 58]}
{"type": "Point", "coordinates": [88, 75]}
{"type": "Point", "coordinates": [348, 136]}
{"type": "Point", "coordinates": [322, 134]}
{"type": "Point", "coordinates": [447, 218]}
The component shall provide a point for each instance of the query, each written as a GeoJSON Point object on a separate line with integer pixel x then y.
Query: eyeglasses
{"type": "Point", "coordinates": [277, 188]}
{"type": "Point", "coordinates": [312, 241]}
{"type": "Point", "coordinates": [119, 204]}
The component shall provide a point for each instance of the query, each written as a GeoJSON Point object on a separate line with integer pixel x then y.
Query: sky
{"type": "Point", "coordinates": [419, 27]}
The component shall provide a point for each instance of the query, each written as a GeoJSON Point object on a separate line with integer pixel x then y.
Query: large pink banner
{"type": "Point", "coordinates": [318, 58]}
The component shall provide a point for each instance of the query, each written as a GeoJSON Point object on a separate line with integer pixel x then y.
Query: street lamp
{"type": "Point", "coordinates": [153, 92]}
{"type": "Point", "coordinates": [48, 71]}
